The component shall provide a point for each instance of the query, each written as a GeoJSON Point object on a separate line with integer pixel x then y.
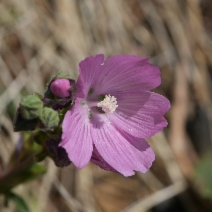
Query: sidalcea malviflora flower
{"type": "Point", "coordinates": [113, 113]}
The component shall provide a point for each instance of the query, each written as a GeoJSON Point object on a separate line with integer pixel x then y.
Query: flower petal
{"type": "Point", "coordinates": [142, 149]}
{"type": "Point", "coordinates": [76, 138]}
{"type": "Point", "coordinates": [89, 72]}
{"type": "Point", "coordinates": [126, 74]}
{"type": "Point", "coordinates": [120, 150]}
{"type": "Point", "coordinates": [140, 115]}
{"type": "Point", "coordinates": [99, 161]}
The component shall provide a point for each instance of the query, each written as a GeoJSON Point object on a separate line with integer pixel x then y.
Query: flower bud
{"type": "Point", "coordinates": [61, 88]}
{"type": "Point", "coordinates": [31, 107]}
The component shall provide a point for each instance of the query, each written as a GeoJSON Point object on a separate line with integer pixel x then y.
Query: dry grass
{"type": "Point", "coordinates": [40, 38]}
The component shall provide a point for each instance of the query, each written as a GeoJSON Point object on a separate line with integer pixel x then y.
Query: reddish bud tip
{"type": "Point", "coordinates": [61, 88]}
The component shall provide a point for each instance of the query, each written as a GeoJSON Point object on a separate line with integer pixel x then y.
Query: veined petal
{"type": "Point", "coordinates": [99, 161]}
{"type": "Point", "coordinates": [142, 149]}
{"type": "Point", "coordinates": [127, 74]}
{"type": "Point", "coordinates": [76, 138]}
{"type": "Point", "coordinates": [140, 115]}
{"type": "Point", "coordinates": [90, 68]}
{"type": "Point", "coordinates": [120, 150]}
{"type": "Point", "coordinates": [109, 127]}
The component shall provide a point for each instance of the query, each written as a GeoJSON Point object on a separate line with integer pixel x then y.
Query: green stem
{"type": "Point", "coordinates": [16, 175]}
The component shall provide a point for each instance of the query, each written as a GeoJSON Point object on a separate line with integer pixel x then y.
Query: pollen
{"type": "Point", "coordinates": [109, 104]}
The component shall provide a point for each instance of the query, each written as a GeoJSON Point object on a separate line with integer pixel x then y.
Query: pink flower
{"type": "Point", "coordinates": [113, 113]}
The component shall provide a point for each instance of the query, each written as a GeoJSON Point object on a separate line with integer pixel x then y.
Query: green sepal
{"type": "Point", "coordinates": [31, 107]}
{"type": "Point", "coordinates": [63, 112]}
{"type": "Point", "coordinates": [49, 118]}
{"type": "Point", "coordinates": [38, 95]}
{"type": "Point", "coordinates": [61, 75]}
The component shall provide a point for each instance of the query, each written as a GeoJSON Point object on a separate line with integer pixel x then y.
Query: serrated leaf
{"type": "Point", "coordinates": [49, 118]}
{"type": "Point", "coordinates": [31, 107]}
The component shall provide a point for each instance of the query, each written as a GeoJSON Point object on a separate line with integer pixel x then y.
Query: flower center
{"type": "Point", "coordinates": [109, 104]}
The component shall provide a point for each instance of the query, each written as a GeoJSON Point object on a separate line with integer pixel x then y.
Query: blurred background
{"type": "Point", "coordinates": [39, 38]}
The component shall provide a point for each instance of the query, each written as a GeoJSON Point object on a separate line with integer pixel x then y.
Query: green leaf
{"type": "Point", "coordinates": [203, 176]}
{"type": "Point", "coordinates": [49, 118]}
{"type": "Point", "coordinates": [19, 202]}
{"type": "Point", "coordinates": [31, 107]}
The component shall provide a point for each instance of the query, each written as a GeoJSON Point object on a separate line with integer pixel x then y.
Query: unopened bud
{"type": "Point", "coordinates": [61, 88]}
{"type": "Point", "coordinates": [31, 107]}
